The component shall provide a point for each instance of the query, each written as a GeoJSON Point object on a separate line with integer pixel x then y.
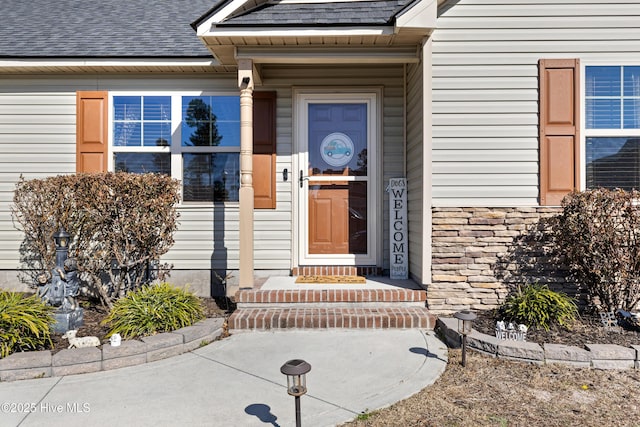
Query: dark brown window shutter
{"type": "Point", "coordinates": [264, 150]}
{"type": "Point", "coordinates": [91, 131]}
{"type": "Point", "coordinates": [559, 129]}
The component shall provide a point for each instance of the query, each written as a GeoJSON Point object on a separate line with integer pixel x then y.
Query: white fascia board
{"type": "Point", "coordinates": [299, 32]}
{"type": "Point", "coordinates": [219, 16]}
{"type": "Point", "coordinates": [160, 62]}
{"type": "Point", "coordinates": [422, 15]}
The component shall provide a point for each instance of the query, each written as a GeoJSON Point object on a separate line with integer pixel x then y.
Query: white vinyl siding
{"type": "Point", "coordinates": [37, 139]}
{"type": "Point", "coordinates": [415, 167]}
{"type": "Point", "coordinates": [485, 80]}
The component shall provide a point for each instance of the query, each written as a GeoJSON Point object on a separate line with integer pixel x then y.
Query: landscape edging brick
{"type": "Point", "coordinates": [618, 357]}
{"type": "Point", "coordinates": [42, 364]}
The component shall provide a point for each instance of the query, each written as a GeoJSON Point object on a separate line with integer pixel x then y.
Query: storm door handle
{"type": "Point", "coordinates": [302, 178]}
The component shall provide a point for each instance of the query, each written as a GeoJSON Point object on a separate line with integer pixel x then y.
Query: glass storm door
{"type": "Point", "coordinates": [335, 185]}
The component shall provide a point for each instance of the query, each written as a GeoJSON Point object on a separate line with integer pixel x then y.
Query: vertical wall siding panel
{"type": "Point", "coordinates": [485, 67]}
{"type": "Point", "coordinates": [415, 168]}
{"type": "Point", "coordinates": [37, 139]}
{"type": "Point", "coordinates": [393, 147]}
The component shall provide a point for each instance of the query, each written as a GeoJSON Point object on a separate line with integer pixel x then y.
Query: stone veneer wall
{"type": "Point", "coordinates": [478, 253]}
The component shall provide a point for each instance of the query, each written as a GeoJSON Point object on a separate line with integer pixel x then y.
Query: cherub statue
{"type": "Point", "coordinates": [63, 288]}
{"type": "Point", "coordinates": [72, 284]}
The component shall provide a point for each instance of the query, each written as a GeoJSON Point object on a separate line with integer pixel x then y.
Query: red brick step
{"type": "Point", "coordinates": [249, 298]}
{"type": "Point", "coordinates": [331, 317]}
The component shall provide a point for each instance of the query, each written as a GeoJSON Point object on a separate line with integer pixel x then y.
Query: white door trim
{"type": "Point", "coordinates": [373, 98]}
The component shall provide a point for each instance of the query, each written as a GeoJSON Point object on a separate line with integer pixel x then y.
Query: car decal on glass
{"type": "Point", "coordinates": [336, 149]}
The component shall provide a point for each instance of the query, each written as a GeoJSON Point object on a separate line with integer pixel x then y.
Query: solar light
{"type": "Point", "coordinates": [296, 371]}
{"type": "Point", "coordinates": [61, 239]}
{"type": "Point", "coordinates": [465, 320]}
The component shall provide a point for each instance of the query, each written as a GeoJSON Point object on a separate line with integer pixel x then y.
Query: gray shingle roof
{"type": "Point", "coordinates": [380, 12]}
{"type": "Point", "coordinates": [101, 28]}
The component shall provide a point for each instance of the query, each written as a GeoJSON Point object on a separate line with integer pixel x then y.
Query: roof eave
{"type": "Point", "coordinates": [83, 65]}
{"type": "Point", "coordinates": [421, 15]}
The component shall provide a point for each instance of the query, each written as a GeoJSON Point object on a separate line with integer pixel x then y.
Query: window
{"type": "Point", "coordinates": [612, 126]}
{"type": "Point", "coordinates": [194, 138]}
{"type": "Point", "coordinates": [210, 143]}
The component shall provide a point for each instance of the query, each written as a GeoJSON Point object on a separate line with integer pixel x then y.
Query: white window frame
{"type": "Point", "coordinates": [175, 148]}
{"type": "Point", "coordinates": [595, 133]}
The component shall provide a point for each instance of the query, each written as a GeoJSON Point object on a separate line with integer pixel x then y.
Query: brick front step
{"type": "Point", "coordinates": [328, 318]}
{"type": "Point", "coordinates": [249, 298]}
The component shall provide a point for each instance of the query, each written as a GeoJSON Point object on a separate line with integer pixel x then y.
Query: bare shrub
{"type": "Point", "coordinates": [598, 232]}
{"type": "Point", "coordinates": [120, 224]}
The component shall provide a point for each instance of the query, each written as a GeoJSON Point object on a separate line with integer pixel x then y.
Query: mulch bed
{"type": "Point", "coordinates": [588, 329]}
{"type": "Point", "coordinates": [94, 313]}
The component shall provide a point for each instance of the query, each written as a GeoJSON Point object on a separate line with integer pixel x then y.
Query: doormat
{"type": "Point", "coordinates": [331, 279]}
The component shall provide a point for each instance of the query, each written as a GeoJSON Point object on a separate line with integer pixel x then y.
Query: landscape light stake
{"type": "Point", "coordinates": [465, 319]}
{"type": "Point", "coordinates": [296, 371]}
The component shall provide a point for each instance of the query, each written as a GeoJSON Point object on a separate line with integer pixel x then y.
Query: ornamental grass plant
{"type": "Point", "coordinates": [538, 306]}
{"type": "Point", "coordinates": [153, 309]}
{"type": "Point", "coordinates": [25, 323]}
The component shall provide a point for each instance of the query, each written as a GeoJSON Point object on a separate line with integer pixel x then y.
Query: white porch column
{"type": "Point", "coordinates": [245, 83]}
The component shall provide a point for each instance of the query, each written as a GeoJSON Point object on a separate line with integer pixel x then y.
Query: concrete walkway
{"type": "Point", "coordinates": [237, 382]}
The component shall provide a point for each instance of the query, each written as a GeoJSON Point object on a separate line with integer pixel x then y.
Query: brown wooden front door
{"type": "Point", "coordinates": [328, 219]}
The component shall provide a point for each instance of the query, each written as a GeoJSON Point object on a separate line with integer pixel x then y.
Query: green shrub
{"type": "Point", "coordinates": [24, 323]}
{"type": "Point", "coordinates": [598, 233]}
{"type": "Point", "coordinates": [538, 306]}
{"type": "Point", "coordinates": [153, 309]}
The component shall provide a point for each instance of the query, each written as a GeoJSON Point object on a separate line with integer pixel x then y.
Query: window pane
{"type": "Point", "coordinates": [602, 113]}
{"type": "Point", "coordinates": [613, 163]}
{"type": "Point", "coordinates": [143, 162]}
{"type": "Point", "coordinates": [358, 217]}
{"type": "Point", "coordinates": [338, 139]}
{"type": "Point", "coordinates": [157, 108]}
{"type": "Point", "coordinates": [127, 134]}
{"type": "Point", "coordinates": [157, 134]}
{"type": "Point", "coordinates": [229, 134]}
{"type": "Point", "coordinates": [632, 113]}
{"type": "Point", "coordinates": [196, 122]}
{"type": "Point", "coordinates": [127, 108]}
{"type": "Point", "coordinates": [226, 108]}
{"type": "Point", "coordinates": [603, 81]}
{"type": "Point", "coordinates": [211, 177]}
{"type": "Point", "coordinates": [210, 121]}
{"type": "Point", "coordinates": [632, 81]}
{"type": "Point", "coordinates": [141, 121]}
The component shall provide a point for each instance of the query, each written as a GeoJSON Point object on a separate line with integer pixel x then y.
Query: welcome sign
{"type": "Point", "coordinates": [398, 243]}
